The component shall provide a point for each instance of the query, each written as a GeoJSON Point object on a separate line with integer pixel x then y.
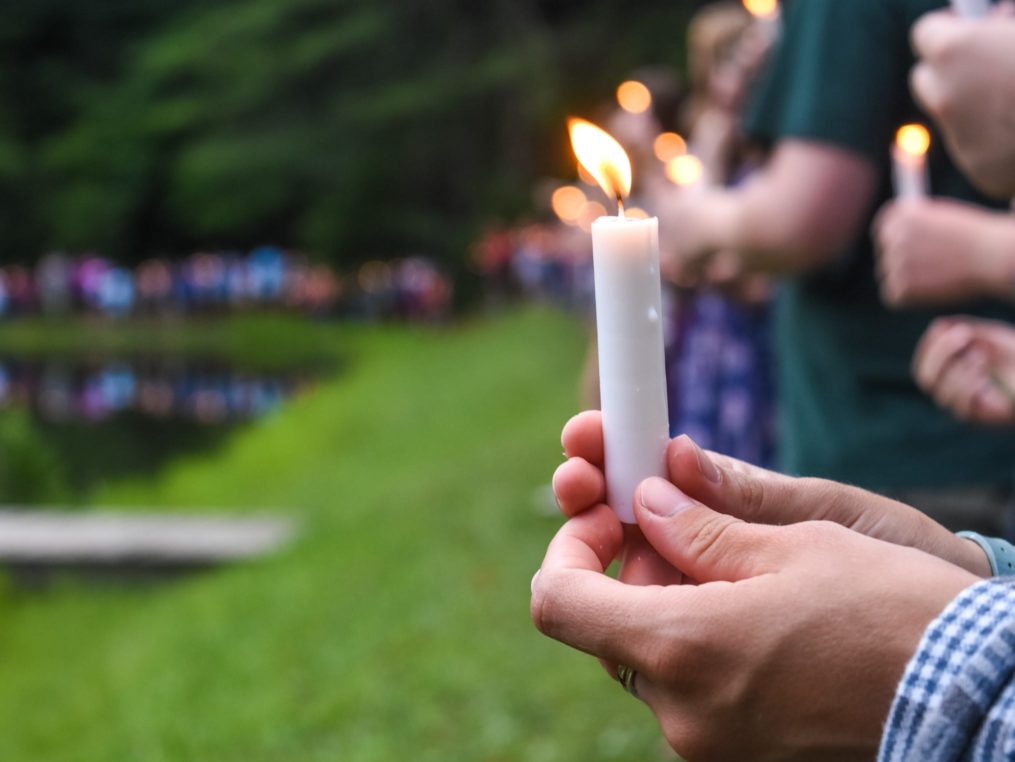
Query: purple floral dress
{"type": "Point", "coordinates": [719, 376]}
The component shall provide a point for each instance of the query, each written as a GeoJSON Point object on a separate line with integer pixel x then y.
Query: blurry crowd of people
{"type": "Point", "coordinates": [59, 392]}
{"type": "Point", "coordinates": [215, 282]}
{"type": "Point", "coordinates": [546, 260]}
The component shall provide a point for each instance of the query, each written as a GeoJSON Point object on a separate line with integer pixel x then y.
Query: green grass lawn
{"type": "Point", "coordinates": [396, 628]}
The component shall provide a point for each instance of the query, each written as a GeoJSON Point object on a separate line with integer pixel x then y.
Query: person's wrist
{"type": "Point", "coordinates": [971, 557]}
{"type": "Point", "coordinates": [720, 226]}
{"type": "Point", "coordinates": [995, 252]}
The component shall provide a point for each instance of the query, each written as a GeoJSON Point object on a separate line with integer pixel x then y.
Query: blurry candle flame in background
{"type": "Point", "coordinates": [593, 211]}
{"type": "Point", "coordinates": [568, 203]}
{"type": "Point", "coordinates": [762, 9]}
{"type": "Point", "coordinates": [602, 157]}
{"type": "Point", "coordinates": [633, 97]}
{"type": "Point", "coordinates": [685, 170]}
{"type": "Point", "coordinates": [909, 162]}
{"type": "Point", "coordinates": [668, 146]}
{"type": "Point", "coordinates": [913, 139]}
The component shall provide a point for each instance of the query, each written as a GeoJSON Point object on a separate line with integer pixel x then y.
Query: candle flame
{"type": "Point", "coordinates": [762, 9]}
{"type": "Point", "coordinates": [602, 157]}
{"type": "Point", "coordinates": [913, 139]}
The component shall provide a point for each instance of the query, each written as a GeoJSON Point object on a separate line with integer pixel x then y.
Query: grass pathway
{"type": "Point", "coordinates": [397, 628]}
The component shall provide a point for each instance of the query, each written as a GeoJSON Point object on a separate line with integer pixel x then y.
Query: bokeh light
{"type": "Point", "coordinates": [633, 97]}
{"type": "Point", "coordinates": [685, 170]}
{"type": "Point", "coordinates": [913, 139]}
{"type": "Point", "coordinates": [636, 212]}
{"type": "Point", "coordinates": [592, 212]}
{"type": "Point", "coordinates": [669, 145]}
{"type": "Point", "coordinates": [568, 203]}
{"type": "Point", "coordinates": [762, 9]}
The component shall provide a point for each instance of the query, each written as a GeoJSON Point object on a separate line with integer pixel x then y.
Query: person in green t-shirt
{"type": "Point", "coordinates": [829, 104]}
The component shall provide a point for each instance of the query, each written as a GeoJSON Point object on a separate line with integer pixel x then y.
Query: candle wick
{"type": "Point", "coordinates": [620, 207]}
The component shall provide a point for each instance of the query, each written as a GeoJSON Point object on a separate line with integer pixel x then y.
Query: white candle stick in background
{"type": "Point", "coordinates": [909, 162]}
{"type": "Point", "coordinates": [971, 9]}
{"type": "Point", "coordinates": [632, 376]}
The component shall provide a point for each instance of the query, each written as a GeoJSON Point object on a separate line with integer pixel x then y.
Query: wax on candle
{"type": "Point", "coordinates": [909, 162]}
{"type": "Point", "coordinates": [632, 376]}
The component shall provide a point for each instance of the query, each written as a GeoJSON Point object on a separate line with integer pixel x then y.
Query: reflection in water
{"type": "Point", "coordinates": [59, 392]}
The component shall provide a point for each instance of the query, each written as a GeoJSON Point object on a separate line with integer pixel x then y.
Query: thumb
{"type": "Point", "coordinates": [703, 544]}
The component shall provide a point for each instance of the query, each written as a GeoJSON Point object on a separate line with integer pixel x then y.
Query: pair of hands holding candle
{"type": "Point", "coordinates": [765, 616]}
{"type": "Point", "coordinates": [935, 252]}
{"type": "Point", "coordinates": [964, 80]}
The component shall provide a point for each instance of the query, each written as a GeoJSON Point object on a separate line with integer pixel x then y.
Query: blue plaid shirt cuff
{"type": "Point", "coordinates": [957, 696]}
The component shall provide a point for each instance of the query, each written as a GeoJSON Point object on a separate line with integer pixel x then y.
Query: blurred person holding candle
{"type": "Point", "coordinates": [873, 629]}
{"type": "Point", "coordinates": [828, 107]}
{"type": "Point", "coordinates": [939, 252]}
{"type": "Point", "coordinates": [967, 365]}
{"type": "Point", "coordinates": [718, 352]}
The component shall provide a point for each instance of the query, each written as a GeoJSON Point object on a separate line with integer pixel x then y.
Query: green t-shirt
{"type": "Point", "coordinates": [849, 407]}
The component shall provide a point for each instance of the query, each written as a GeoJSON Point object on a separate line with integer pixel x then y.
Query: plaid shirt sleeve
{"type": "Point", "coordinates": [956, 700]}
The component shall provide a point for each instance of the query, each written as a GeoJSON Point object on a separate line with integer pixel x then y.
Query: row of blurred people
{"type": "Point", "coordinates": [546, 260]}
{"type": "Point", "coordinates": [207, 282]}
{"type": "Point", "coordinates": [60, 393]}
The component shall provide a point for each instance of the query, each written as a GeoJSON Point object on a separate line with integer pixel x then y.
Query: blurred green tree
{"type": "Point", "coordinates": [354, 129]}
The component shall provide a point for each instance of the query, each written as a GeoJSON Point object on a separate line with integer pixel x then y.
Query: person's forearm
{"type": "Point", "coordinates": [800, 212]}
{"type": "Point", "coordinates": [767, 236]}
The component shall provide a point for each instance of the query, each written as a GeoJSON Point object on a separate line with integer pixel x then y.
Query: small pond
{"type": "Point", "coordinates": [68, 424]}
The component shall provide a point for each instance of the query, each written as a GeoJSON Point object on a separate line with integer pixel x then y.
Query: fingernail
{"type": "Point", "coordinates": [532, 584]}
{"type": "Point", "coordinates": [660, 497]}
{"type": "Point", "coordinates": [707, 468]}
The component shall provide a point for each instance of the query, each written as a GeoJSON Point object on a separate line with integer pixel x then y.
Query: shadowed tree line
{"type": "Point", "coordinates": [351, 129]}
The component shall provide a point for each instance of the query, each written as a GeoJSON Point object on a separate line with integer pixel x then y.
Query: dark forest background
{"type": "Point", "coordinates": [350, 129]}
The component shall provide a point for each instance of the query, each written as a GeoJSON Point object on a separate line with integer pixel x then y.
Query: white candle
{"type": "Point", "coordinates": [768, 17]}
{"type": "Point", "coordinates": [909, 162]}
{"type": "Point", "coordinates": [632, 373]}
{"type": "Point", "coordinates": [971, 9]}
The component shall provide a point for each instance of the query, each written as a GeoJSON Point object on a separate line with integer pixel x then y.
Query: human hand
{"type": "Point", "coordinates": [966, 80]}
{"type": "Point", "coordinates": [790, 647]}
{"type": "Point", "coordinates": [690, 219]}
{"type": "Point", "coordinates": [935, 251]}
{"type": "Point", "coordinates": [968, 366]}
{"type": "Point", "coordinates": [756, 495]}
